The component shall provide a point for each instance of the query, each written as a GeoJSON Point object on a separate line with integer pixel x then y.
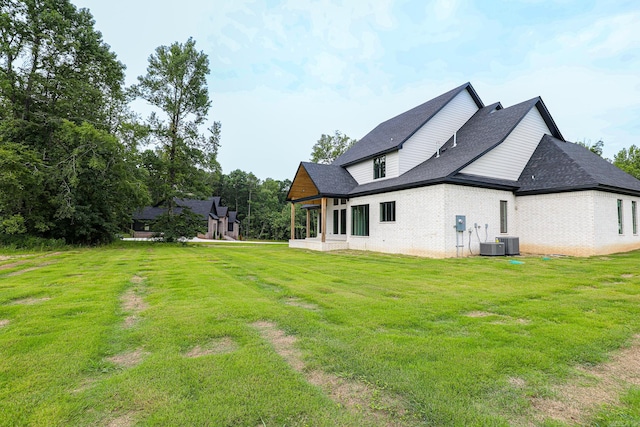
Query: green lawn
{"type": "Point", "coordinates": [263, 335]}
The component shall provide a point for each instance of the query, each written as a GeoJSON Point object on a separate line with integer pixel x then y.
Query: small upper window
{"type": "Point", "coordinates": [379, 167]}
{"type": "Point", "coordinates": [387, 211]}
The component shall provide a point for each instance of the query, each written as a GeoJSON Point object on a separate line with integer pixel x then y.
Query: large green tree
{"type": "Point", "coordinates": [330, 147]}
{"type": "Point", "coordinates": [175, 84]}
{"type": "Point", "coordinates": [629, 160]}
{"type": "Point", "coordinates": [596, 147]}
{"type": "Point", "coordinates": [61, 102]}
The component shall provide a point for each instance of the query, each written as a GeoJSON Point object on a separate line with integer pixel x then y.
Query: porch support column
{"type": "Point", "coordinates": [324, 219]}
{"type": "Point", "coordinates": [308, 224]}
{"type": "Point", "coordinates": [293, 220]}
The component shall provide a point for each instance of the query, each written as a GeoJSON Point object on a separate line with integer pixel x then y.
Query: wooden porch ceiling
{"type": "Point", "coordinates": [302, 186]}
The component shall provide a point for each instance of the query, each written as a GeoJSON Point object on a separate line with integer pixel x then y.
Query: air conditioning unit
{"type": "Point", "coordinates": [492, 249]}
{"type": "Point", "coordinates": [511, 244]}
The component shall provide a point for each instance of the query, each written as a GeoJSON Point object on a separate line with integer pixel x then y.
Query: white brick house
{"type": "Point", "coordinates": [508, 171]}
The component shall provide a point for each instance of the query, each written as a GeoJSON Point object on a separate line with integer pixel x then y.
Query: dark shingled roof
{"type": "Point", "coordinates": [330, 179]}
{"type": "Point", "coordinates": [487, 128]}
{"type": "Point", "coordinates": [204, 208]}
{"type": "Point", "coordinates": [233, 216]}
{"type": "Point", "coordinates": [558, 166]}
{"type": "Point", "coordinates": [555, 165]}
{"type": "Point", "coordinates": [149, 212]}
{"type": "Point", "coordinates": [391, 134]}
{"type": "Point", "coordinates": [199, 207]}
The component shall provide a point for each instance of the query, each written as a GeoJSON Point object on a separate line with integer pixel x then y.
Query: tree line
{"type": "Point", "coordinates": [76, 161]}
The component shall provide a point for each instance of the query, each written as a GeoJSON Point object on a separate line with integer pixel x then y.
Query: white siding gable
{"type": "Point", "coordinates": [433, 134]}
{"type": "Point", "coordinates": [363, 172]}
{"type": "Point", "coordinates": [507, 160]}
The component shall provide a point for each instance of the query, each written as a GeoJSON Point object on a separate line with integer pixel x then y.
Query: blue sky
{"type": "Point", "coordinates": [285, 72]}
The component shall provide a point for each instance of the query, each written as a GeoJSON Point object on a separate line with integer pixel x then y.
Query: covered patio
{"type": "Point", "coordinates": [305, 192]}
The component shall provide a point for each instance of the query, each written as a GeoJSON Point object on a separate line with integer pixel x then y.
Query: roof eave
{"type": "Point", "coordinates": [548, 119]}
{"type": "Point", "coordinates": [319, 196]}
{"type": "Point", "coordinates": [597, 187]}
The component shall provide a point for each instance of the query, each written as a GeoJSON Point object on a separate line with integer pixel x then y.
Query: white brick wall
{"type": "Point", "coordinates": [581, 223]}
{"type": "Point", "coordinates": [425, 219]}
{"type": "Point", "coordinates": [418, 229]}
{"type": "Point", "coordinates": [480, 206]}
{"type": "Point", "coordinates": [561, 223]}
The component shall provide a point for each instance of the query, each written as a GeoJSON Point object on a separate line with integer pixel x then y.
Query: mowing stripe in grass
{"type": "Point", "coordinates": [597, 385]}
{"type": "Point", "coordinates": [371, 402]}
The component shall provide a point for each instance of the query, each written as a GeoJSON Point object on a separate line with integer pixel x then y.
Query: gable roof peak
{"type": "Point", "coordinates": [392, 133]}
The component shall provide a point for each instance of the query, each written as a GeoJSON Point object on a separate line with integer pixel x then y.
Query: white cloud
{"type": "Point", "coordinates": [328, 68]}
{"type": "Point", "coordinates": [607, 36]}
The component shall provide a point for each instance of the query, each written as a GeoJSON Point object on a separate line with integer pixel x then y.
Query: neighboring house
{"type": "Point", "coordinates": [218, 220]}
{"type": "Point", "coordinates": [504, 171]}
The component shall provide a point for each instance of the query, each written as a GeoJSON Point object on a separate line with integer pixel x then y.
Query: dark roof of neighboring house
{"type": "Point", "coordinates": [391, 134]}
{"type": "Point", "coordinates": [199, 207]}
{"type": "Point", "coordinates": [233, 216]}
{"type": "Point", "coordinates": [558, 166]}
{"type": "Point", "coordinates": [149, 212]}
{"type": "Point", "coordinates": [206, 208]}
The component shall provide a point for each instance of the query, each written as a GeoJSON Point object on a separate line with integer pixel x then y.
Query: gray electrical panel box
{"type": "Point", "coordinates": [461, 223]}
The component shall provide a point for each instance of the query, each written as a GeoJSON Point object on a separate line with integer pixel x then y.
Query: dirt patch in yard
{"type": "Point", "coordinates": [128, 359]}
{"type": "Point", "coordinates": [626, 276]}
{"type": "Point", "coordinates": [601, 384]}
{"type": "Point", "coordinates": [19, 272]}
{"type": "Point", "coordinates": [137, 279]}
{"type": "Point", "coordinates": [29, 301]}
{"type": "Point", "coordinates": [131, 321]}
{"type": "Point", "coordinates": [479, 314]}
{"type": "Point", "coordinates": [12, 265]}
{"type": "Point", "coordinates": [297, 302]}
{"type": "Point", "coordinates": [133, 302]}
{"type": "Point", "coordinates": [222, 345]}
{"type": "Point", "coordinates": [125, 420]}
{"type": "Point", "coordinates": [368, 400]}
{"type": "Point", "coordinates": [3, 323]}
{"type": "Point", "coordinates": [84, 386]}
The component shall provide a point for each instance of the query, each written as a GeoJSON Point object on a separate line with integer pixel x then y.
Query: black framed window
{"type": "Point", "coordinates": [503, 216]}
{"type": "Point", "coordinates": [620, 226]}
{"type": "Point", "coordinates": [388, 211]}
{"type": "Point", "coordinates": [360, 220]}
{"type": "Point", "coordinates": [634, 217]}
{"type": "Point", "coordinates": [379, 167]}
{"type": "Point", "coordinates": [335, 221]}
{"type": "Point", "coordinates": [343, 221]}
